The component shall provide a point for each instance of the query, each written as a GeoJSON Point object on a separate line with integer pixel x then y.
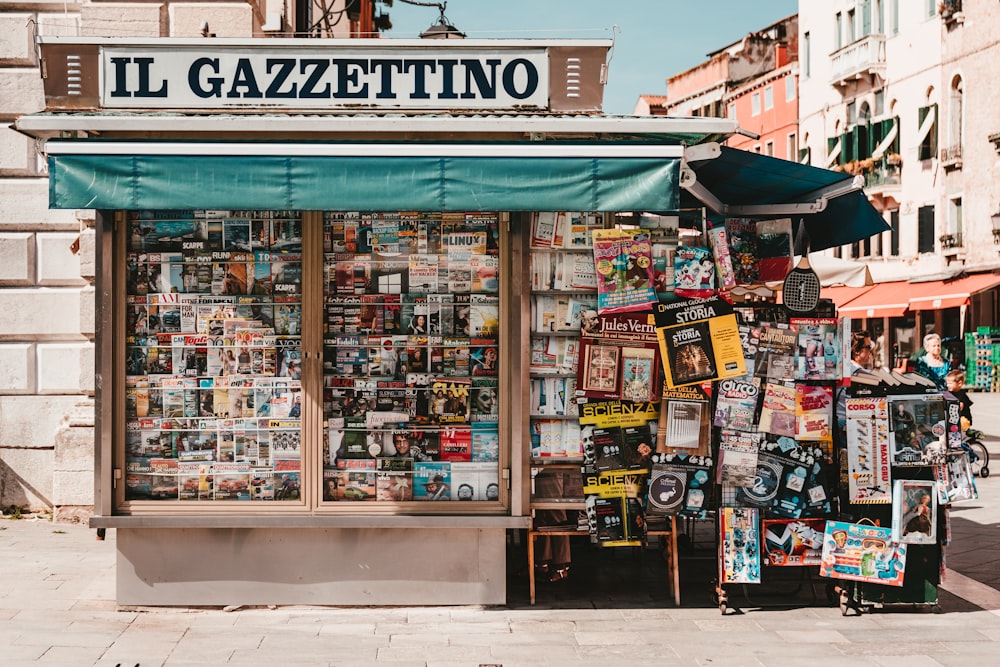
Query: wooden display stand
{"type": "Point", "coordinates": [669, 531]}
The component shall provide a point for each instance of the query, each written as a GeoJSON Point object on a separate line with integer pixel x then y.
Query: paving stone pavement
{"type": "Point", "coordinates": [57, 608]}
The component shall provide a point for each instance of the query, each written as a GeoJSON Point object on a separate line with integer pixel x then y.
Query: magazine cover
{"type": "Point", "coordinates": [814, 412]}
{"type": "Point", "coordinates": [394, 479]}
{"type": "Point", "coordinates": [431, 480]}
{"type": "Point", "coordinates": [739, 543]}
{"type": "Point", "coordinates": [868, 451]}
{"type": "Point", "coordinates": [914, 511]}
{"type": "Point", "coordinates": [474, 481]}
{"type": "Point", "coordinates": [862, 552]}
{"type": "Point", "coordinates": [776, 352]}
{"type": "Point", "coordinates": [817, 356]}
{"type": "Point", "coordinates": [762, 491]}
{"type": "Point", "coordinates": [738, 452]}
{"type": "Point", "coordinates": [777, 413]}
{"type": "Point", "coordinates": [624, 266]}
{"type": "Point", "coordinates": [694, 272]}
{"type": "Point", "coordinates": [614, 512]}
{"type": "Point", "coordinates": [678, 485]}
{"type": "Point", "coordinates": [685, 421]}
{"type": "Point", "coordinates": [793, 542]}
{"type": "Point", "coordinates": [699, 340]}
{"type": "Point", "coordinates": [918, 425]}
{"type": "Point", "coordinates": [736, 404]}
{"type": "Point", "coordinates": [742, 233]}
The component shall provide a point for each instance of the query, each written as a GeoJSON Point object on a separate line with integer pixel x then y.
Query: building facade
{"type": "Point", "coordinates": [47, 256]}
{"type": "Point", "coordinates": [752, 81]}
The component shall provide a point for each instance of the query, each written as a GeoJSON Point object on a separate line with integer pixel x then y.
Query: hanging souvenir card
{"type": "Point", "coordinates": [862, 552]}
{"type": "Point", "coordinates": [793, 542]}
{"type": "Point", "coordinates": [914, 511]}
{"type": "Point", "coordinates": [740, 545]}
{"type": "Point", "coordinates": [919, 430]}
{"type": "Point", "coordinates": [868, 453]}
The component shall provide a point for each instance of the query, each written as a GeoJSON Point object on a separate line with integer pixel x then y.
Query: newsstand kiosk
{"type": "Point", "coordinates": [312, 308]}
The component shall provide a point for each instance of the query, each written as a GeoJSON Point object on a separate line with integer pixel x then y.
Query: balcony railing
{"type": "Point", "coordinates": [862, 57]}
{"type": "Point", "coordinates": [883, 175]}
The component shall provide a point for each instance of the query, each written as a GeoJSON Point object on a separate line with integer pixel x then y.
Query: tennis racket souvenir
{"type": "Point", "coordinates": [800, 291]}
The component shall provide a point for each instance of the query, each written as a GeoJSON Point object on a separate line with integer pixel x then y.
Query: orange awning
{"type": "Point", "coordinates": [938, 294]}
{"type": "Point", "coordinates": [841, 295]}
{"type": "Point", "coordinates": [881, 300]}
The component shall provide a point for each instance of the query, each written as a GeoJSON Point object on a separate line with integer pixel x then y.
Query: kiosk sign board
{"type": "Point", "coordinates": [226, 75]}
{"type": "Point", "coordinates": [202, 77]}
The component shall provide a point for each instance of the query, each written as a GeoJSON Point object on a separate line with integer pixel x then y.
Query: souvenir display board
{"type": "Point", "coordinates": [411, 356]}
{"type": "Point", "coordinates": [213, 355]}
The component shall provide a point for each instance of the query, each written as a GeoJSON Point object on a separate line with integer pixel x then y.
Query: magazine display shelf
{"type": "Point", "coordinates": [744, 511]}
{"type": "Point", "coordinates": [924, 559]}
{"type": "Point", "coordinates": [553, 418]}
{"type": "Point", "coordinates": [563, 315]}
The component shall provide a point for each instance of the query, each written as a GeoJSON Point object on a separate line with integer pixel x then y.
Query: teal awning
{"type": "Point", "coordinates": [420, 177]}
{"type": "Point", "coordinates": [742, 184]}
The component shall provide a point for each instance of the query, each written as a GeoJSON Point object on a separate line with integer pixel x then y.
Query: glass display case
{"type": "Point", "coordinates": [213, 395]}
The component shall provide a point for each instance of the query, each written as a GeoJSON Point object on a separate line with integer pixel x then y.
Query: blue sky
{"type": "Point", "coordinates": [656, 38]}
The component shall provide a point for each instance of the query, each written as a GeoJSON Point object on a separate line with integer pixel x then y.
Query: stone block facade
{"type": "Point", "coordinates": [47, 261]}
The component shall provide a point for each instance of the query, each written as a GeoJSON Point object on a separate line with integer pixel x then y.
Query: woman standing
{"type": "Point", "coordinates": [932, 365]}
